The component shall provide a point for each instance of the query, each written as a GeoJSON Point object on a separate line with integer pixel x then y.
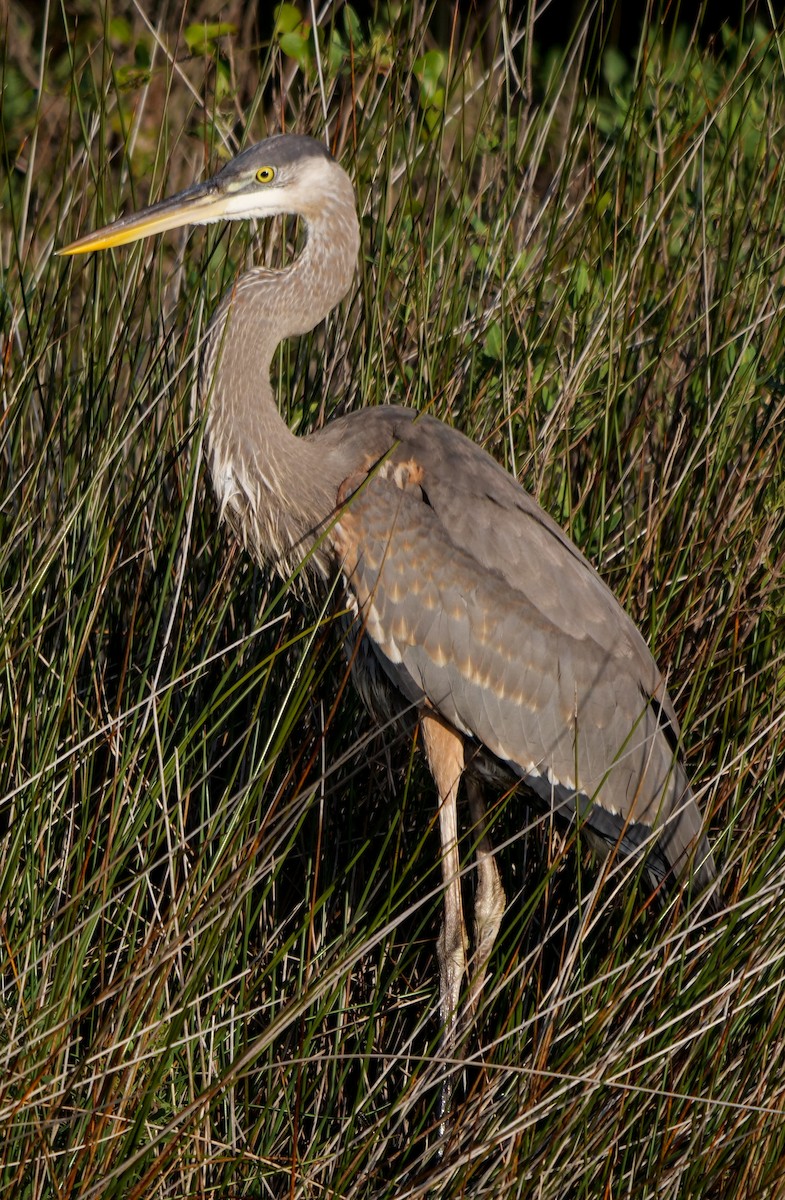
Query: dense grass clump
{"type": "Point", "coordinates": [219, 886]}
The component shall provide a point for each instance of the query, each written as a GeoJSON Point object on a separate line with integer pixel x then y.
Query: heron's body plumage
{"type": "Point", "coordinates": [466, 591]}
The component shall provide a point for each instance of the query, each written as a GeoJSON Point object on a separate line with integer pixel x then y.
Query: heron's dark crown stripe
{"type": "Point", "coordinates": [281, 150]}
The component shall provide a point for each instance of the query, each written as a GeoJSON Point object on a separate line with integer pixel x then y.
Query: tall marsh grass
{"type": "Point", "coordinates": [219, 886]}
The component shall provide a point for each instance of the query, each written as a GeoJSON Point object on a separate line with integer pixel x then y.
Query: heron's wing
{"type": "Point", "coordinates": [568, 711]}
{"type": "Point", "coordinates": [485, 512]}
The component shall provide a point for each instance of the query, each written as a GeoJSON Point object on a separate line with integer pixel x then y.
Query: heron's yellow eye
{"type": "Point", "coordinates": [265, 175]}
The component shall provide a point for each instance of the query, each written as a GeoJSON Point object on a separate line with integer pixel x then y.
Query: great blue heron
{"type": "Point", "coordinates": [470, 611]}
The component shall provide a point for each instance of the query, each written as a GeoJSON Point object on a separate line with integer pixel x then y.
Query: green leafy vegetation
{"type": "Point", "coordinates": [219, 884]}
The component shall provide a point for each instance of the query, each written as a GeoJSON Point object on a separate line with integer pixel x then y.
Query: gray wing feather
{"type": "Point", "coordinates": [486, 512]}
{"type": "Point", "coordinates": [478, 605]}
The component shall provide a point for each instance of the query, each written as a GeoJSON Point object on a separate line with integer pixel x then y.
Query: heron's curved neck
{"type": "Point", "coordinates": [268, 482]}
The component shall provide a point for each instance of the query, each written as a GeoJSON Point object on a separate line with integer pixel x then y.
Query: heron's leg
{"type": "Point", "coordinates": [489, 901]}
{"type": "Point", "coordinates": [444, 750]}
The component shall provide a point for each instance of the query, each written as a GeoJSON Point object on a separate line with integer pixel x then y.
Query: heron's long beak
{"type": "Point", "coordinates": [196, 205]}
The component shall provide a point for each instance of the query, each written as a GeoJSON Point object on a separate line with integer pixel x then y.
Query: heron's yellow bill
{"type": "Point", "coordinates": [195, 206]}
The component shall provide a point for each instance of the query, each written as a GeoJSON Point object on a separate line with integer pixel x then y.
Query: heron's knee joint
{"type": "Point", "coordinates": [452, 945]}
{"type": "Point", "coordinates": [489, 902]}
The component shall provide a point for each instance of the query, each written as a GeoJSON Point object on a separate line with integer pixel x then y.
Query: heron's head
{"type": "Point", "coordinates": [284, 174]}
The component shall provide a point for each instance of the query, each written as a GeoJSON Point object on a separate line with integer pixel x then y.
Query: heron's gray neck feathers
{"type": "Point", "coordinates": [272, 486]}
